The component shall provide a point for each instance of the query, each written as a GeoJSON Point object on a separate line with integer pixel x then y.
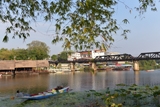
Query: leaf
{"type": "Point", "coordinates": [125, 21]}
{"type": "Point", "coordinates": [5, 39]}
{"type": "Point", "coordinates": [58, 27]}
{"type": "Point", "coordinates": [154, 9]}
{"type": "Point", "coordinates": [85, 30]}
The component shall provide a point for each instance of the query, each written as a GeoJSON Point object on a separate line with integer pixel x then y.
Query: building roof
{"type": "Point", "coordinates": [99, 50]}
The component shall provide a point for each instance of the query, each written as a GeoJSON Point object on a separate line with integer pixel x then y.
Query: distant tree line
{"type": "Point", "coordinates": [36, 50]}
{"type": "Point", "coordinates": [149, 64]}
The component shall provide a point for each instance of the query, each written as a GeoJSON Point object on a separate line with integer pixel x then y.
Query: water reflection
{"type": "Point", "coordinates": [79, 81]}
{"type": "Point", "coordinates": [136, 77]}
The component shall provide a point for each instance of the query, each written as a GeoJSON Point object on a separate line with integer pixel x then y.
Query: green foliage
{"type": "Point", "coordinates": [54, 57]}
{"type": "Point", "coordinates": [157, 61]}
{"type": "Point", "coordinates": [6, 54]}
{"type": "Point", "coordinates": [156, 93]}
{"type": "Point", "coordinates": [36, 51]}
{"type": "Point", "coordinates": [126, 96]}
{"type": "Point", "coordinates": [78, 23]}
{"type": "Point", "coordinates": [64, 55]}
{"type": "Point", "coordinates": [147, 64]}
{"type": "Point", "coordinates": [21, 54]}
{"type": "Point", "coordinates": [144, 4]}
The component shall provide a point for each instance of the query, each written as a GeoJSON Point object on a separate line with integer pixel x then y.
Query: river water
{"type": "Point", "coordinates": [78, 81]}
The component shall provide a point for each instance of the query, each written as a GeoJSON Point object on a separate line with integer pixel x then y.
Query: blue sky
{"type": "Point", "coordinates": [144, 35]}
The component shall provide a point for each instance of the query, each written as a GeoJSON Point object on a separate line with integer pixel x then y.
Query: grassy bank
{"type": "Point", "coordinates": [121, 96]}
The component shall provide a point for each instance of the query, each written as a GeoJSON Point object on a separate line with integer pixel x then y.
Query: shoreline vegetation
{"type": "Point", "coordinates": [149, 64]}
{"type": "Point", "coordinates": [120, 96]}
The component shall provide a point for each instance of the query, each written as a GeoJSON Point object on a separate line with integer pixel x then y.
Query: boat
{"type": "Point", "coordinates": [46, 94]}
{"type": "Point", "coordinates": [120, 67]}
{"type": "Point", "coordinates": [150, 70]}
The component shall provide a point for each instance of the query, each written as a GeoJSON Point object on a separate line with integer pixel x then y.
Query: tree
{"type": "Point", "coordinates": [5, 54]}
{"type": "Point", "coordinates": [145, 65]}
{"type": "Point", "coordinates": [79, 23]}
{"type": "Point", "coordinates": [63, 56]}
{"type": "Point", "coordinates": [54, 57]}
{"type": "Point", "coordinates": [21, 54]}
{"type": "Point", "coordinates": [37, 50]}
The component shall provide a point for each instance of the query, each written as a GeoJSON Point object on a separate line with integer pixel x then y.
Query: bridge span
{"type": "Point", "coordinates": [119, 57]}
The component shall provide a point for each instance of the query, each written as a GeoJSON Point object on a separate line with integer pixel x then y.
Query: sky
{"type": "Point", "coordinates": [144, 35]}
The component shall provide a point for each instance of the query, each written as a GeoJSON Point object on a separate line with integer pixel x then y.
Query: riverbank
{"type": "Point", "coordinates": [122, 96]}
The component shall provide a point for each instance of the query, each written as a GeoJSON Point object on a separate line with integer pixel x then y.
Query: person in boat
{"type": "Point", "coordinates": [19, 94]}
{"type": "Point", "coordinates": [58, 88]}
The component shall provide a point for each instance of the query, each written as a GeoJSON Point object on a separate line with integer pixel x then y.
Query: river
{"type": "Point", "coordinates": [78, 81]}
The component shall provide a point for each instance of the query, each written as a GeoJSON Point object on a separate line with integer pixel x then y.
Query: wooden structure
{"type": "Point", "coordinates": [12, 65]}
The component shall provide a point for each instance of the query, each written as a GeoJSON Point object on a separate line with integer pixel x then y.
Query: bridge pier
{"type": "Point", "coordinates": [94, 66]}
{"type": "Point", "coordinates": [135, 66]}
{"type": "Point", "coordinates": [72, 66]}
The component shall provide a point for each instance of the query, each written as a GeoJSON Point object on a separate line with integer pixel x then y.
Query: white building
{"type": "Point", "coordinates": [98, 53]}
{"type": "Point", "coordinates": [75, 55]}
{"type": "Point", "coordinates": [112, 53]}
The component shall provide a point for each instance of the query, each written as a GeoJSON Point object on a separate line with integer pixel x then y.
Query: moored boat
{"type": "Point", "coordinates": [46, 94]}
{"type": "Point", "coordinates": [150, 70]}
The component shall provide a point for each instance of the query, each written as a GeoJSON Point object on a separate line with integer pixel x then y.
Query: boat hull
{"type": "Point", "coordinates": [46, 94]}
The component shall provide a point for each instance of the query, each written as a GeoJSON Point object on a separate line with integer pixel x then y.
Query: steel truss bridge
{"type": "Point", "coordinates": [119, 57]}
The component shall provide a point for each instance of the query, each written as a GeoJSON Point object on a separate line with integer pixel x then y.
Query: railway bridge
{"type": "Point", "coordinates": [107, 58]}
